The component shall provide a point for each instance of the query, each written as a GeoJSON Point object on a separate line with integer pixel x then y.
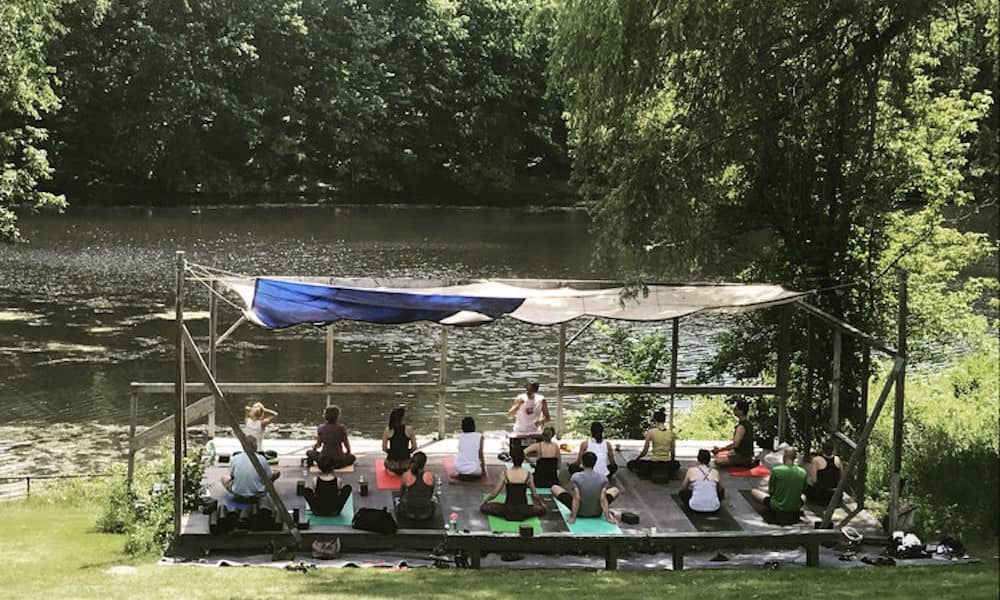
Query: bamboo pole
{"type": "Point", "coordinates": [674, 352]}
{"type": "Point", "coordinates": [561, 380]}
{"type": "Point", "coordinates": [442, 382]}
{"type": "Point", "coordinates": [179, 394]}
{"type": "Point", "coordinates": [228, 332]}
{"type": "Point", "coordinates": [895, 477]}
{"type": "Point", "coordinates": [838, 494]}
{"type": "Point", "coordinates": [781, 379]}
{"type": "Point", "coordinates": [808, 401]}
{"type": "Point", "coordinates": [234, 424]}
{"type": "Point", "coordinates": [213, 334]}
{"type": "Point", "coordinates": [838, 345]}
{"type": "Point", "coordinates": [328, 369]}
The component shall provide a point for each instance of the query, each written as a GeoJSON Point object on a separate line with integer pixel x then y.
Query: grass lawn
{"type": "Point", "coordinates": [44, 553]}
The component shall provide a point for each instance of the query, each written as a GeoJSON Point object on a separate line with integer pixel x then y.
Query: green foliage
{"type": "Point", "coordinates": [708, 419]}
{"type": "Point", "coordinates": [951, 452]}
{"type": "Point", "coordinates": [629, 360]}
{"type": "Point", "coordinates": [145, 515]}
{"type": "Point", "coordinates": [26, 94]}
{"type": "Point", "coordinates": [800, 143]}
{"type": "Point", "coordinates": [258, 96]}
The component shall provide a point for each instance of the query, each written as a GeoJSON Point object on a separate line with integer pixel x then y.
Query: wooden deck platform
{"type": "Point", "coordinates": [663, 524]}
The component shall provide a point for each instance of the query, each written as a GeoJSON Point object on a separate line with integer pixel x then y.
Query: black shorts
{"type": "Point", "coordinates": [566, 499]}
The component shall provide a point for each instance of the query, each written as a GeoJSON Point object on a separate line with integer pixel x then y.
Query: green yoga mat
{"type": "Point", "coordinates": [345, 517]}
{"type": "Point", "coordinates": [500, 525]}
{"type": "Point", "coordinates": [598, 525]}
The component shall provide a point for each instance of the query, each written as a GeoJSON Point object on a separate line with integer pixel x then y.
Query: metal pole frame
{"type": "Point", "coordinates": [328, 366]}
{"type": "Point", "coordinates": [895, 476]}
{"type": "Point", "coordinates": [213, 336]}
{"type": "Point", "coordinates": [674, 352]}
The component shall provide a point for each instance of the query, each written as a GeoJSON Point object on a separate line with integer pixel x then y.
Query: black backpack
{"type": "Point", "coordinates": [374, 519]}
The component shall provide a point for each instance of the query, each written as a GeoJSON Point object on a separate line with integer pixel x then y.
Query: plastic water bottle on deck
{"type": "Point", "coordinates": [453, 523]}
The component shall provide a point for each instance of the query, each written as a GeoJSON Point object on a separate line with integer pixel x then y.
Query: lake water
{"type": "Point", "coordinates": [87, 306]}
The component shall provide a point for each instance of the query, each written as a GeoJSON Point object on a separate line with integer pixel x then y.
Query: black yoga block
{"type": "Point", "coordinates": [630, 517]}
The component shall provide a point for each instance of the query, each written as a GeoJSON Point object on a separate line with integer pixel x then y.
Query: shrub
{"type": "Point", "coordinates": [145, 514]}
{"type": "Point", "coordinates": [951, 452]}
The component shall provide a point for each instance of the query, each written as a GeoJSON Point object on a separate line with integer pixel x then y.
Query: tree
{"type": "Point", "coordinates": [26, 94]}
{"type": "Point", "coordinates": [799, 143]}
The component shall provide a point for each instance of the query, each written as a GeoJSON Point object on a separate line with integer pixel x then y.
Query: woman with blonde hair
{"type": "Point", "coordinates": [257, 419]}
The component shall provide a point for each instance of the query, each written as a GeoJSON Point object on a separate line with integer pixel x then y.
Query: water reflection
{"type": "Point", "coordinates": [86, 308]}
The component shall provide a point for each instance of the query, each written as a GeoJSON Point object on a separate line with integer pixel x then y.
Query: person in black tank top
{"type": "Point", "coordinates": [516, 482]}
{"type": "Point", "coordinates": [824, 474]}
{"type": "Point", "coordinates": [417, 500]}
{"type": "Point", "coordinates": [328, 499]}
{"type": "Point", "coordinates": [739, 452]}
{"type": "Point", "coordinates": [547, 466]}
{"type": "Point", "coordinates": [398, 442]}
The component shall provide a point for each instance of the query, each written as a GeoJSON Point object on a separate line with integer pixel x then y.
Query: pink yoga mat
{"type": "Point", "coordinates": [449, 470]}
{"type": "Point", "coordinates": [758, 471]}
{"type": "Point", "coordinates": [385, 480]}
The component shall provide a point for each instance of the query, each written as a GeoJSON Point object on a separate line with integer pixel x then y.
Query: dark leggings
{"type": "Point", "coordinates": [339, 462]}
{"type": "Point", "coordinates": [329, 505]}
{"type": "Point", "coordinates": [654, 469]}
{"type": "Point", "coordinates": [512, 512]}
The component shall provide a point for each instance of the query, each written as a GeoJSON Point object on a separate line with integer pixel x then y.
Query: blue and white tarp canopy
{"type": "Point", "coordinates": [278, 302]}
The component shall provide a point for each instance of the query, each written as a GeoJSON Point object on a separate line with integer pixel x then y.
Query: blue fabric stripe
{"type": "Point", "coordinates": [278, 303]}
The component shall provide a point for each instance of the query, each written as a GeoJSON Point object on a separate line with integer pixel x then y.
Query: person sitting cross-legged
{"type": "Point", "coordinates": [515, 481]}
{"type": "Point", "coordinates": [242, 481]}
{"type": "Point", "coordinates": [591, 496]}
{"type": "Point", "coordinates": [331, 441]}
{"type": "Point", "coordinates": [700, 489]}
{"type": "Point", "coordinates": [661, 464]}
{"type": "Point", "coordinates": [328, 499]}
{"type": "Point", "coordinates": [547, 466]}
{"type": "Point", "coordinates": [470, 465]}
{"type": "Point", "coordinates": [785, 486]}
{"type": "Point", "coordinates": [739, 452]}
{"type": "Point", "coordinates": [417, 500]}
{"type": "Point", "coordinates": [824, 474]}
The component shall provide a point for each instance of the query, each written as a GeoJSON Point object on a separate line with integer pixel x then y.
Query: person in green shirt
{"type": "Point", "coordinates": [784, 488]}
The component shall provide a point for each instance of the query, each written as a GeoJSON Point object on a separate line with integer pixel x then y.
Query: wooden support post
{"type": "Point", "coordinates": [838, 494]}
{"type": "Point", "coordinates": [561, 381]}
{"type": "Point", "coordinates": [213, 335]}
{"type": "Point", "coordinates": [611, 558]}
{"type": "Point", "coordinates": [133, 401]}
{"type": "Point", "coordinates": [475, 558]}
{"type": "Point", "coordinates": [443, 382]}
{"type": "Point", "coordinates": [812, 554]}
{"type": "Point", "coordinates": [678, 556]}
{"type": "Point", "coordinates": [674, 351]}
{"type": "Point", "coordinates": [328, 370]}
{"type": "Point", "coordinates": [781, 379]}
{"type": "Point", "coordinates": [809, 400]}
{"type": "Point", "coordinates": [895, 481]}
{"type": "Point", "coordinates": [179, 389]}
{"type": "Point", "coordinates": [234, 424]}
{"type": "Point", "coordinates": [838, 345]}
{"type": "Point", "coordinates": [861, 479]}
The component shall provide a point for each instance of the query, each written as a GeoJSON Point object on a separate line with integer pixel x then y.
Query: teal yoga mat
{"type": "Point", "coordinates": [598, 525]}
{"type": "Point", "coordinates": [499, 525]}
{"type": "Point", "coordinates": [345, 517]}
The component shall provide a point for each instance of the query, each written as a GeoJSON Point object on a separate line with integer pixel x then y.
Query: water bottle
{"type": "Point", "coordinates": [453, 523]}
{"type": "Point", "coordinates": [363, 486]}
